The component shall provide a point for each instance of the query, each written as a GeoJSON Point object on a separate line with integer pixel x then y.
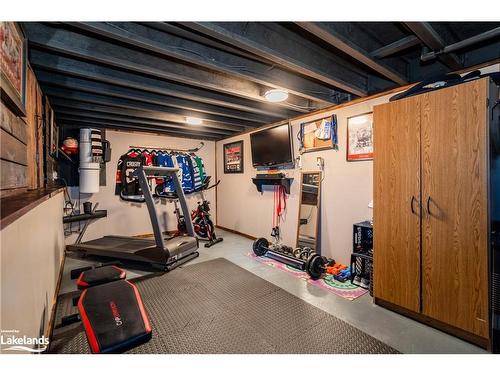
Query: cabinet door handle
{"type": "Point", "coordinates": [429, 205]}
{"type": "Point", "coordinates": [411, 204]}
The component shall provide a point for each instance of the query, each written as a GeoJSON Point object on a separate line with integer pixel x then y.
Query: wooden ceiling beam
{"type": "Point", "coordinates": [428, 36]}
{"type": "Point", "coordinates": [71, 67]}
{"type": "Point", "coordinates": [82, 85]}
{"type": "Point", "coordinates": [98, 51]}
{"type": "Point", "coordinates": [275, 43]}
{"type": "Point", "coordinates": [170, 113]}
{"type": "Point", "coordinates": [152, 117]}
{"type": "Point", "coordinates": [326, 31]}
{"type": "Point", "coordinates": [75, 121]}
{"type": "Point", "coordinates": [173, 46]}
{"type": "Point", "coordinates": [396, 47]}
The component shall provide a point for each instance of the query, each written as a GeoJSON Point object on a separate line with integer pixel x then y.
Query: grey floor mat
{"type": "Point", "coordinates": [218, 307]}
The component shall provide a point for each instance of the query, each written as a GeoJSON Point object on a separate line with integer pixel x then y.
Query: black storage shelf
{"type": "Point", "coordinates": [283, 181]}
{"type": "Point", "coordinates": [97, 214]}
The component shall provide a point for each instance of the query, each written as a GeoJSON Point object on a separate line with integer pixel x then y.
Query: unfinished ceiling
{"type": "Point", "coordinates": [150, 76]}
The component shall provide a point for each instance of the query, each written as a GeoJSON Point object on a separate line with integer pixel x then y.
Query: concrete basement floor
{"type": "Point", "coordinates": [403, 334]}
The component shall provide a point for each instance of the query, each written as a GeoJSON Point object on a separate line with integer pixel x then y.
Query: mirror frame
{"type": "Point", "coordinates": [318, 214]}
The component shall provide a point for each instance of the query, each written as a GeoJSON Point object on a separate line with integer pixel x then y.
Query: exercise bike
{"type": "Point", "coordinates": [202, 223]}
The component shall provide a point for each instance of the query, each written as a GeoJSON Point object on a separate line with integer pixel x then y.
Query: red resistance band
{"type": "Point", "coordinates": [279, 204]}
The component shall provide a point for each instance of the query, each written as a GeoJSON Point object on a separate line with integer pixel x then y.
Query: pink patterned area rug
{"type": "Point", "coordinates": [346, 290]}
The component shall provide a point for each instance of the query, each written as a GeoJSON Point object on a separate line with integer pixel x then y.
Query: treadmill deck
{"type": "Point", "coordinates": [139, 249]}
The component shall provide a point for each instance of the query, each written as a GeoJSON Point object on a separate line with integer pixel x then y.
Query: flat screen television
{"type": "Point", "coordinates": [272, 147]}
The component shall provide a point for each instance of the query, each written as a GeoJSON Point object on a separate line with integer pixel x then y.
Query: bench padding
{"type": "Point", "coordinates": [114, 317]}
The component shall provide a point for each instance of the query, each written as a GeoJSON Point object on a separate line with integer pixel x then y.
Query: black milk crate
{"type": "Point", "coordinates": [362, 265]}
{"type": "Point", "coordinates": [362, 237]}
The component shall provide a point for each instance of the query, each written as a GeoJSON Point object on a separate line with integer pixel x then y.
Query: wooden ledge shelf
{"type": "Point", "coordinates": [12, 207]}
{"type": "Point", "coordinates": [283, 181]}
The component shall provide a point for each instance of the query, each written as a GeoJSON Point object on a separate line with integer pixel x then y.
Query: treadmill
{"type": "Point", "coordinates": [160, 253]}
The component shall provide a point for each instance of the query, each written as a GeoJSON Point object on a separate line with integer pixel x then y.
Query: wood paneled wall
{"type": "Point", "coordinates": [34, 120]}
{"type": "Point", "coordinates": [21, 157]}
{"type": "Point", "coordinates": [14, 157]}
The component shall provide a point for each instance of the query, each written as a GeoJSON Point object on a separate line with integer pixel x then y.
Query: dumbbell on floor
{"type": "Point", "coordinates": [314, 264]}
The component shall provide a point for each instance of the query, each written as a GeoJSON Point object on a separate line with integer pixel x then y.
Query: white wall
{"type": "Point", "coordinates": [346, 190]}
{"type": "Point", "coordinates": [127, 218]}
{"type": "Point", "coordinates": [32, 248]}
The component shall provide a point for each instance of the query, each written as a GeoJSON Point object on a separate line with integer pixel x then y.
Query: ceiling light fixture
{"type": "Point", "coordinates": [276, 95]}
{"type": "Point", "coordinates": [194, 120]}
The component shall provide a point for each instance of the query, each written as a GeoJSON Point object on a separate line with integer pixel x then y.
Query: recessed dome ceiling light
{"type": "Point", "coordinates": [194, 121]}
{"type": "Point", "coordinates": [276, 95]}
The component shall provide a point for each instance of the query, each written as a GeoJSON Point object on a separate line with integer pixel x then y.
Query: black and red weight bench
{"type": "Point", "coordinates": [111, 310]}
{"type": "Point", "coordinates": [99, 275]}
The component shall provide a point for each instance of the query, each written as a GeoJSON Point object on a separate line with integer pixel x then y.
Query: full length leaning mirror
{"type": "Point", "coordinates": [309, 210]}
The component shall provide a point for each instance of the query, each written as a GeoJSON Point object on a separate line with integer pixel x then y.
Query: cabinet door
{"type": "Point", "coordinates": [396, 220]}
{"type": "Point", "coordinates": [454, 218]}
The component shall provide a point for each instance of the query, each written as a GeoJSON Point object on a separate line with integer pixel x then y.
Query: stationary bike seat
{"type": "Point", "coordinates": [114, 317]}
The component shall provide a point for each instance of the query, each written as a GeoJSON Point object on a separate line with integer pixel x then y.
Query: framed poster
{"type": "Point", "coordinates": [360, 137]}
{"type": "Point", "coordinates": [233, 157]}
{"type": "Point", "coordinates": [318, 135]}
{"type": "Point", "coordinates": [54, 135]}
{"type": "Point", "coordinates": [13, 66]}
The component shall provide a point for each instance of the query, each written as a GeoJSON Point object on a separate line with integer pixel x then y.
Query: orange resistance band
{"type": "Point", "coordinates": [279, 204]}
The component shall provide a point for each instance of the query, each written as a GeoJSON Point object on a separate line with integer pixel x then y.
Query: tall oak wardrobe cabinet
{"type": "Point", "coordinates": [433, 211]}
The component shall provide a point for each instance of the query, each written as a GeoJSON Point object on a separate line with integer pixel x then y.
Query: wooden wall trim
{"type": "Point", "coordinates": [10, 192]}
{"type": "Point", "coordinates": [50, 328]}
{"type": "Point", "coordinates": [321, 111]}
{"type": "Point", "coordinates": [15, 206]}
{"type": "Point", "coordinates": [335, 107]}
{"type": "Point", "coordinates": [236, 232]}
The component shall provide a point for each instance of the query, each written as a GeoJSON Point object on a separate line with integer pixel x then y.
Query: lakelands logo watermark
{"type": "Point", "coordinates": [11, 340]}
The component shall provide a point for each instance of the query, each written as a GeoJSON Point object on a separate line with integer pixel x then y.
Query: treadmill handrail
{"type": "Point", "coordinates": [159, 171]}
{"type": "Point", "coordinates": [141, 174]}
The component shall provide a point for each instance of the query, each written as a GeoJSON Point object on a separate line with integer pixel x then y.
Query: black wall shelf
{"type": "Point", "coordinates": [283, 181]}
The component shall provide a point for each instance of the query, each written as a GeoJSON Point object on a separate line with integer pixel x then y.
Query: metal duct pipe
{"type": "Point", "coordinates": [462, 44]}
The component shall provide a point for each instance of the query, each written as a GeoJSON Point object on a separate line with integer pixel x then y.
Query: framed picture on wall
{"type": "Point", "coordinates": [360, 137]}
{"type": "Point", "coordinates": [54, 135]}
{"type": "Point", "coordinates": [233, 157]}
{"type": "Point", "coordinates": [318, 135]}
{"type": "Point", "coordinates": [13, 67]}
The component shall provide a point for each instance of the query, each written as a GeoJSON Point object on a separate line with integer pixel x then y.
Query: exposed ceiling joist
{"type": "Point", "coordinates": [72, 121]}
{"type": "Point", "coordinates": [159, 119]}
{"type": "Point", "coordinates": [94, 72]}
{"type": "Point", "coordinates": [99, 51]}
{"type": "Point", "coordinates": [82, 85]}
{"type": "Point", "coordinates": [170, 113]}
{"type": "Point", "coordinates": [179, 30]}
{"type": "Point", "coordinates": [396, 47]}
{"type": "Point", "coordinates": [485, 53]}
{"type": "Point", "coordinates": [428, 36]}
{"type": "Point", "coordinates": [275, 43]}
{"type": "Point", "coordinates": [476, 39]}
{"type": "Point", "coordinates": [327, 32]}
{"type": "Point", "coordinates": [101, 117]}
{"type": "Point", "coordinates": [172, 46]}
{"type": "Point", "coordinates": [149, 76]}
